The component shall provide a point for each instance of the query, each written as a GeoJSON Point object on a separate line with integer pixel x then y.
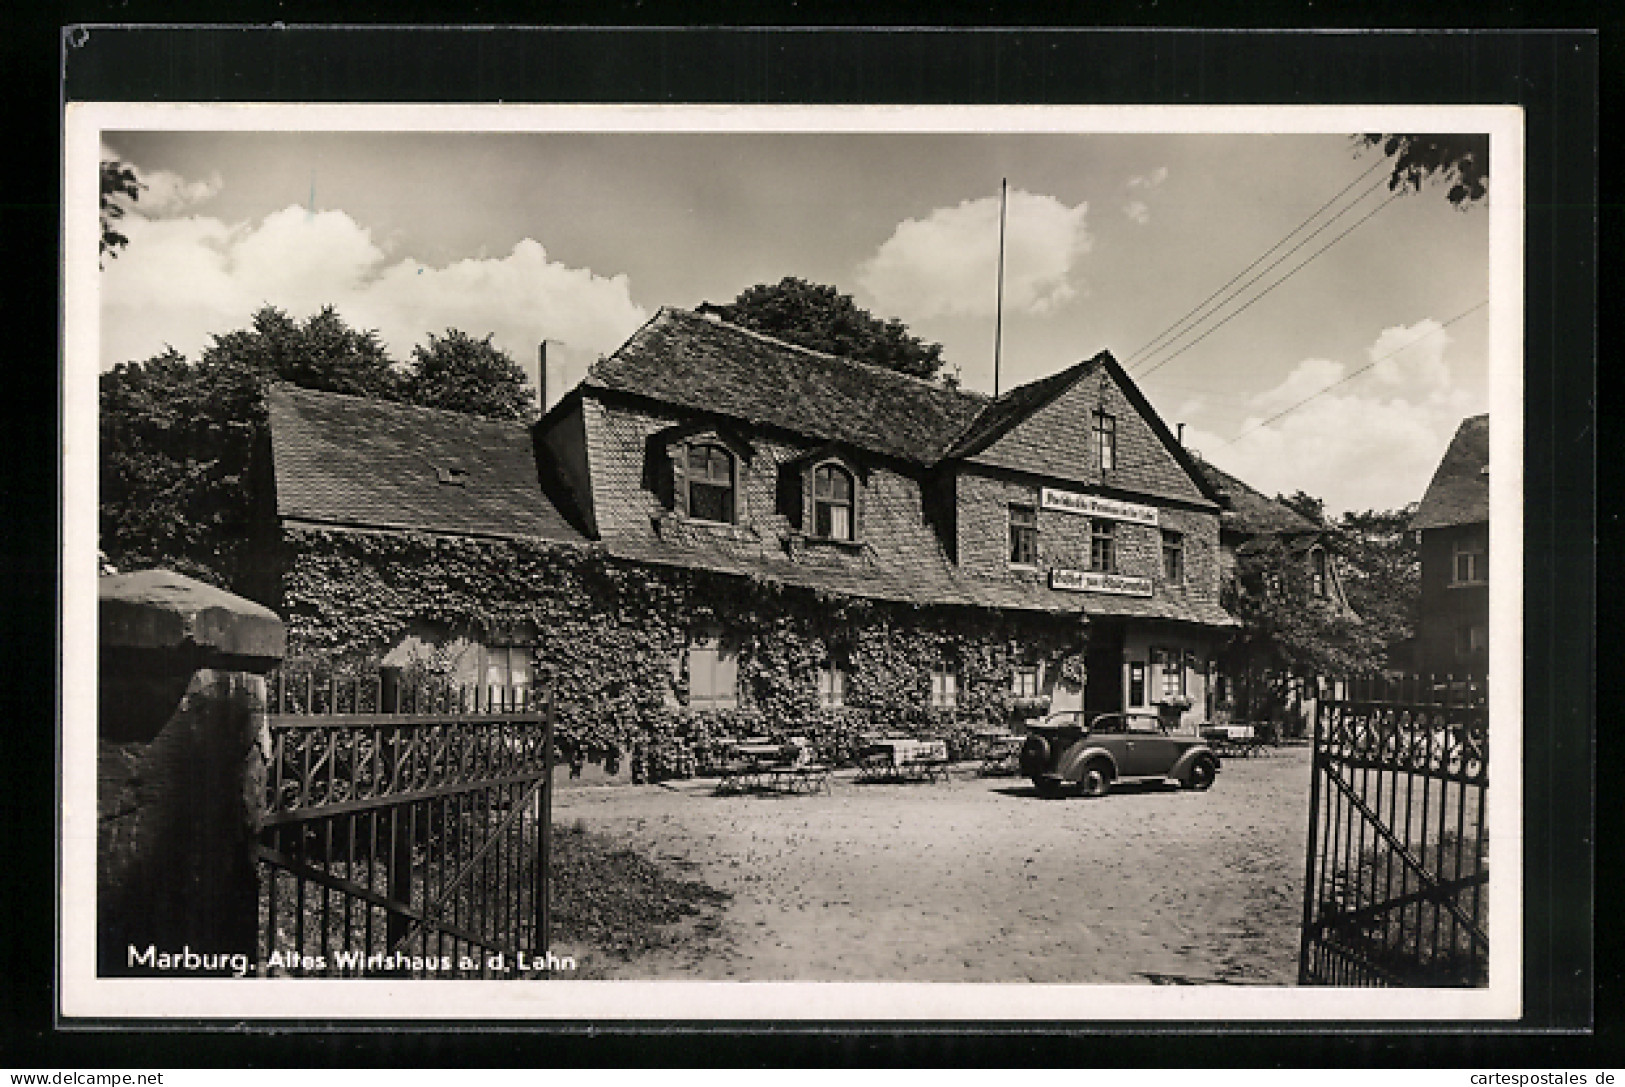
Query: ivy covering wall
{"type": "Point", "coordinates": [613, 635]}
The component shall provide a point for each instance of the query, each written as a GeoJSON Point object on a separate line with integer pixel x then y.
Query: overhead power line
{"type": "Point", "coordinates": [1261, 257]}
{"type": "Point", "coordinates": [1250, 303]}
{"type": "Point", "coordinates": [1345, 380]}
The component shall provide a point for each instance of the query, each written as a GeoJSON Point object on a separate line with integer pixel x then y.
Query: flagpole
{"type": "Point", "coordinates": [998, 313]}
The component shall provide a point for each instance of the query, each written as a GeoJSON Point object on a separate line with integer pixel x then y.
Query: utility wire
{"type": "Point", "coordinates": [1202, 304]}
{"type": "Point", "coordinates": [1266, 291]}
{"type": "Point", "coordinates": [1344, 380]}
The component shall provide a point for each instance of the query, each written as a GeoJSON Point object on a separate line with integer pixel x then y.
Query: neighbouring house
{"type": "Point", "coordinates": [1250, 522]}
{"type": "Point", "coordinates": [716, 528]}
{"type": "Point", "coordinates": [1453, 521]}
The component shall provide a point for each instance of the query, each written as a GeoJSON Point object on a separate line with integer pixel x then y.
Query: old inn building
{"type": "Point", "coordinates": [770, 527]}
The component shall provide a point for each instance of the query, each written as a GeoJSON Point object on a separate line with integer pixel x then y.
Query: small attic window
{"type": "Point", "coordinates": [1484, 471]}
{"type": "Point", "coordinates": [454, 475]}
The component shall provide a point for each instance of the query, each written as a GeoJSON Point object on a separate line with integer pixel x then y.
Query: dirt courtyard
{"type": "Point", "coordinates": [979, 879]}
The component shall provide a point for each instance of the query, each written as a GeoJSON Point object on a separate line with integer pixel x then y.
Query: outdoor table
{"type": "Point", "coordinates": [1235, 739]}
{"type": "Point", "coordinates": [769, 766]}
{"type": "Point", "coordinates": [904, 760]}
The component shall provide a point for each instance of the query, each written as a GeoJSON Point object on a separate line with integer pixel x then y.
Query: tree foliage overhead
{"type": "Point", "coordinates": [822, 318]}
{"type": "Point", "coordinates": [117, 179]}
{"type": "Point", "coordinates": [179, 440]}
{"type": "Point", "coordinates": [459, 373]}
{"type": "Point", "coordinates": [1461, 159]}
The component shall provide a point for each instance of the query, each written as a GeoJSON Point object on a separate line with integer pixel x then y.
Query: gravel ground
{"type": "Point", "coordinates": [979, 879]}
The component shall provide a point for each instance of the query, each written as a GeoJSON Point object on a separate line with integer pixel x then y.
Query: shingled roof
{"type": "Point", "coordinates": [352, 462]}
{"type": "Point", "coordinates": [1460, 491]}
{"type": "Point", "coordinates": [703, 364]}
{"type": "Point", "coordinates": [1251, 512]}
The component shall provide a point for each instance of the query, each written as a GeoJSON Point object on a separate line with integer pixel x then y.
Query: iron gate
{"type": "Point", "coordinates": [406, 843]}
{"type": "Point", "coordinates": [1396, 874]}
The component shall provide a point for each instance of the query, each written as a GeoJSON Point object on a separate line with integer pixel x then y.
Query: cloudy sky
{"type": "Point", "coordinates": [577, 238]}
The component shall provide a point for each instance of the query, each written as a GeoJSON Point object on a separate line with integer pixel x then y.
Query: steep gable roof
{"type": "Point", "coordinates": [705, 364]}
{"type": "Point", "coordinates": [353, 462]}
{"type": "Point", "coordinates": [1007, 412]}
{"type": "Point", "coordinates": [1460, 491]}
{"type": "Point", "coordinates": [1250, 511]}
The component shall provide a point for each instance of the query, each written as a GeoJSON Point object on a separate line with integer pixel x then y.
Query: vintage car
{"type": "Point", "coordinates": [1062, 751]}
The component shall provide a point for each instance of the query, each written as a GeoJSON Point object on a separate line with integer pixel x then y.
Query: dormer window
{"type": "Point", "coordinates": [1317, 573]}
{"type": "Point", "coordinates": [832, 502]}
{"type": "Point", "coordinates": [453, 475]}
{"type": "Point", "coordinates": [710, 483]}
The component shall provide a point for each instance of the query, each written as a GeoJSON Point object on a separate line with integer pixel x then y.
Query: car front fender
{"type": "Point", "coordinates": [1078, 756]}
{"type": "Point", "coordinates": [1182, 767]}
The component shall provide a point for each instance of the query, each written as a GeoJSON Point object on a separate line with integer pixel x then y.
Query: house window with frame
{"type": "Point", "coordinates": [1023, 535]}
{"type": "Point", "coordinates": [1106, 440]}
{"type": "Point", "coordinates": [1026, 681]}
{"type": "Point", "coordinates": [1103, 546]}
{"type": "Point", "coordinates": [832, 676]}
{"type": "Point", "coordinates": [1171, 664]}
{"type": "Point", "coordinates": [1317, 573]}
{"type": "Point", "coordinates": [1470, 563]}
{"type": "Point", "coordinates": [710, 483]}
{"type": "Point", "coordinates": [507, 681]}
{"type": "Point", "coordinates": [1472, 639]}
{"type": "Point", "coordinates": [1173, 557]}
{"type": "Point", "coordinates": [944, 687]}
{"type": "Point", "coordinates": [833, 503]}
{"type": "Point", "coordinates": [713, 672]}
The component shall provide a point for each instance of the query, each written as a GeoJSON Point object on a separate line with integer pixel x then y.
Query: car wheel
{"type": "Point", "coordinates": [1047, 786]}
{"type": "Point", "coordinates": [1202, 774]}
{"type": "Point", "coordinates": [1096, 780]}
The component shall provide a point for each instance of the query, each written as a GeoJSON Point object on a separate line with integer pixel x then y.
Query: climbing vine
{"type": "Point", "coordinates": [609, 633]}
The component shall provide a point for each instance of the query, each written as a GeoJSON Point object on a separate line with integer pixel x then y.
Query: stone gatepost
{"type": "Point", "coordinates": [180, 769]}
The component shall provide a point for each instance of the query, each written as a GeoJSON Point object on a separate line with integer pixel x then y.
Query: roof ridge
{"type": "Point", "coordinates": [874, 367]}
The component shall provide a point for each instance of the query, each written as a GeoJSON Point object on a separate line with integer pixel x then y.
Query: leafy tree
{"type": "Point", "coordinates": [1461, 159]}
{"type": "Point", "coordinates": [178, 486]}
{"type": "Point", "coordinates": [1381, 565]}
{"type": "Point", "coordinates": [822, 318]}
{"type": "Point", "coordinates": [322, 353]}
{"type": "Point", "coordinates": [460, 373]}
{"type": "Point", "coordinates": [117, 180]}
{"type": "Point", "coordinates": [1305, 505]}
{"type": "Point", "coordinates": [1289, 632]}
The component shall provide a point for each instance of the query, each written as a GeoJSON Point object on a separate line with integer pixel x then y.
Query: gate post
{"type": "Point", "coordinates": [181, 754]}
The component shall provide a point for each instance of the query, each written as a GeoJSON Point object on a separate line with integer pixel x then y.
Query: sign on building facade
{"type": "Point", "coordinates": [1089, 581]}
{"type": "Point", "coordinates": [1094, 506]}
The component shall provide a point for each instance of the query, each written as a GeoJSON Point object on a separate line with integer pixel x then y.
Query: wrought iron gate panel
{"type": "Point", "coordinates": [404, 844]}
{"type": "Point", "coordinates": [1396, 872]}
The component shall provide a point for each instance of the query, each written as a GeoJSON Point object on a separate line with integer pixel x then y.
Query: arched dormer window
{"type": "Point", "coordinates": [709, 481]}
{"type": "Point", "coordinates": [833, 503]}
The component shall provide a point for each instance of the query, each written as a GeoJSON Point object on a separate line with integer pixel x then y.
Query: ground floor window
{"type": "Point", "coordinates": [1170, 664]}
{"type": "Point", "coordinates": [507, 682]}
{"type": "Point", "coordinates": [944, 688]}
{"type": "Point", "coordinates": [713, 672]}
{"type": "Point", "coordinates": [1024, 683]}
{"type": "Point", "coordinates": [832, 684]}
{"type": "Point", "coordinates": [1472, 638]}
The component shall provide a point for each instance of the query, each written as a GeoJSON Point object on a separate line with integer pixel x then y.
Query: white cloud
{"type": "Point", "coordinates": [1149, 181]}
{"type": "Point", "coordinates": [946, 264]}
{"type": "Point", "coordinates": [181, 281]}
{"type": "Point", "coordinates": [165, 193]}
{"type": "Point", "coordinates": [1371, 443]}
{"type": "Point", "coordinates": [1138, 211]}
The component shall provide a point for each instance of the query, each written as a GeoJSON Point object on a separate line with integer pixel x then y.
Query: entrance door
{"type": "Point", "coordinates": [1103, 686]}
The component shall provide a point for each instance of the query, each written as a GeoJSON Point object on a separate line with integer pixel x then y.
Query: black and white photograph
{"type": "Point", "coordinates": [817, 562]}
